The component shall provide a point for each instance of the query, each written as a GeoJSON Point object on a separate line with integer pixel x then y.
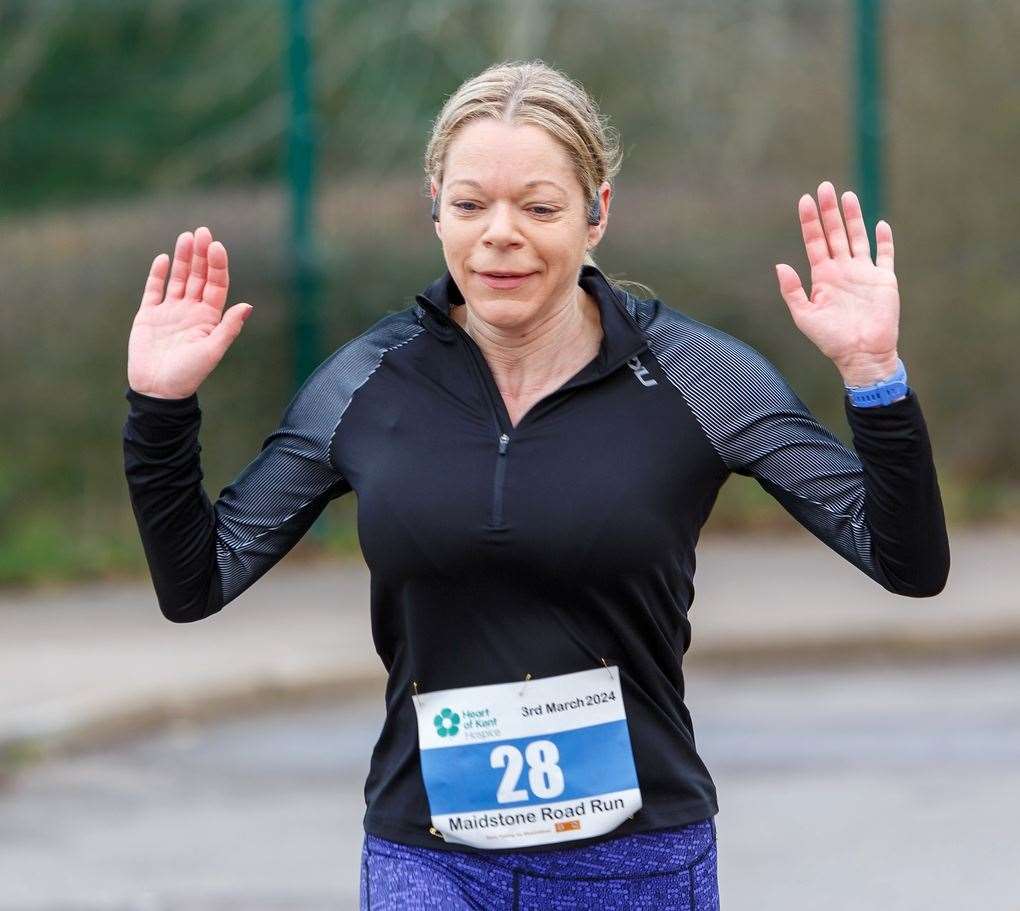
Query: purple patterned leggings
{"type": "Point", "coordinates": [665, 870]}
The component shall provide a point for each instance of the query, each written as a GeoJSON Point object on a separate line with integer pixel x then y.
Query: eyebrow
{"type": "Point", "coordinates": [527, 186]}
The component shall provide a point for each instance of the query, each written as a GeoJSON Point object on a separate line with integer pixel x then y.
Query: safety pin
{"type": "Point", "coordinates": [632, 815]}
{"type": "Point", "coordinates": [416, 696]}
{"type": "Point", "coordinates": [527, 677]}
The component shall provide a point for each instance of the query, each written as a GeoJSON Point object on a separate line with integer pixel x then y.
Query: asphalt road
{"type": "Point", "coordinates": [874, 788]}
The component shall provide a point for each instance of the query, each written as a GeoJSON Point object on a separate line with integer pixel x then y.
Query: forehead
{"type": "Point", "coordinates": [493, 152]}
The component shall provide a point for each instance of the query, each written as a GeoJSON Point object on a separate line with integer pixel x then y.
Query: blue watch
{"type": "Point", "coordinates": [882, 392]}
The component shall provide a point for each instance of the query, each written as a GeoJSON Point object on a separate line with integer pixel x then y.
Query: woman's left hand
{"type": "Point", "coordinates": [854, 309]}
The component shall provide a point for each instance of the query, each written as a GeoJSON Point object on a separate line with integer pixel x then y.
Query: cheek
{"type": "Point", "coordinates": [559, 242]}
{"type": "Point", "coordinates": [458, 237]}
{"type": "Point", "coordinates": [563, 252]}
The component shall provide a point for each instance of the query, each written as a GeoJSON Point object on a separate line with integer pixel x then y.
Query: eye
{"type": "Point", "coordinates": [460, 205]}
{"type": "Point", "coordinates": [546, 210]}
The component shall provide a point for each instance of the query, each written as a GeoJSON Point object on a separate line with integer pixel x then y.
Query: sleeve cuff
{"type": "Point", "coordinates": [901, 408]}
{"type": "Point", "coordinates": [153, 405]}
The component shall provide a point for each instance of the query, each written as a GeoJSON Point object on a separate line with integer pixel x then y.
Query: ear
{"type": "Point", "coordinates": [595, 232]}
{"type": "Point", "coordinates": [434, 192]}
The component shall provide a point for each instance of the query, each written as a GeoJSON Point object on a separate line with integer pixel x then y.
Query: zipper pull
{"type": "Point", "coordinates": [504, 442]}
{"type": "Point", "coordinates": [434, 831]}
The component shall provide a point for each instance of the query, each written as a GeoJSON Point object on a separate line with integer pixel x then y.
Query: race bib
{"type": "Point", "coordinates": [530, 762]}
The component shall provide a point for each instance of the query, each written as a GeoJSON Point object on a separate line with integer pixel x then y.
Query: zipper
{"type": "Point", "coordinates": [502, 437]}
{"type": "Point", "coordinates": [498, 412]}
{"type": "Point", "coordinates": [503, 444]}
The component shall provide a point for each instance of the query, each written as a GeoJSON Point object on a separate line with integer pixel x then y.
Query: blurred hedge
{"type": "Point", "coordinates": [123, 124]}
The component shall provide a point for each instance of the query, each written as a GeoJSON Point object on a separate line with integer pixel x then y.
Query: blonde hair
{"type": "Point", "coordinates": [535, 93]}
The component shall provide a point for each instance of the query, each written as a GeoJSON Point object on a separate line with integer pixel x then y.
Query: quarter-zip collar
{"type": "Point", "coordinates": [622, 338]}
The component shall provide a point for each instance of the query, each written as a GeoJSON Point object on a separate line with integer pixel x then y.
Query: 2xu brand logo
{"type": "Point", "coordinates": [641, 372]}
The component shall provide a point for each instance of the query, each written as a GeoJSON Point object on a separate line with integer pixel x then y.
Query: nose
{"type": "Point", "coordinates": [501, 228]}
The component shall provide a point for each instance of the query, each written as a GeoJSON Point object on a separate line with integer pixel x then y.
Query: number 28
{"type": "Point", "coordinates": [544, 775]}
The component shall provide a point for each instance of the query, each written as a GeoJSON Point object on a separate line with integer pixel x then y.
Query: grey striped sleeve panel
{"type": "Point", "coordinates": [266, 509]}
{"type": "Point", "coordinates": [761, 428]}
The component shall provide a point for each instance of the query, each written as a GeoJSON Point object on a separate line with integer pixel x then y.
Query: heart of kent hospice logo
{"type": "Point", "coordinates": [447, 723]}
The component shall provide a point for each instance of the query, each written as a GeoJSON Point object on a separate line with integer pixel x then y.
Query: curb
{"type": "Point", "coordinates": [851, 650]}
{"type": "Point", "coordinates": [18, 752]}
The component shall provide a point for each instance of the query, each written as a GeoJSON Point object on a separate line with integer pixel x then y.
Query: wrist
{"type": "Point", "coordinates": [868, 371]}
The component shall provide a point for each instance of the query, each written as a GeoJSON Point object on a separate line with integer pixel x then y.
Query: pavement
{"type": "Point", "coordinates": [86, 665]}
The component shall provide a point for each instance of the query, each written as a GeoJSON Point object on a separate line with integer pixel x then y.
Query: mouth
{"type": "Point", "coordinates": [504, 280]}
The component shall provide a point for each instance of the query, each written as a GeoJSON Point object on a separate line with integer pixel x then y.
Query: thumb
{"type": "Point", "coordinates": [229, 327]}
{"type": "Point", "coordinates": [791, 288]}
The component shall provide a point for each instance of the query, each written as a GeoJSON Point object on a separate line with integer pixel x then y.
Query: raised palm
{"type": "Point", "coordinates": [853, 312]}
{"type": "Point", "coordinates": [178, 339]}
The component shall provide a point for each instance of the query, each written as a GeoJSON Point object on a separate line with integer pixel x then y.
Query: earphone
{"type": "Point", "coordinates": [594, 211]}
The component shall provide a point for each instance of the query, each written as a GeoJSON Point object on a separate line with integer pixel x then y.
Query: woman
{"type": "Point", "coordinates": [534, 451]}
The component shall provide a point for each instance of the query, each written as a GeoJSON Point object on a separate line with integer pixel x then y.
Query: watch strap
{"type": "Point", "coordinates": [882, 392]}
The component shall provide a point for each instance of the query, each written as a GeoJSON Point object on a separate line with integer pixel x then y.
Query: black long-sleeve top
{"type": "Point", "coordinates": [496, 550]}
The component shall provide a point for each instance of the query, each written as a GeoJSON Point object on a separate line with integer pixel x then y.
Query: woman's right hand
{"type": "Point", "coordinates": [178, 339]}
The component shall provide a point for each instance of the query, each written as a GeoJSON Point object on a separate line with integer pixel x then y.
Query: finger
{"type": "Point", "coordinates": [832, 221]}
{"type": "Point", "coordinates": [859, 243]}
{"type": "Point", "coordinates": [791, 288]}
{"type": "Point", "coordinates": [884, 243]}
{"type": "Point", "coordinates": [156, 281]}
{"type": "Point", "coordinates": [229, 328]}
{"type": "Point", "coordinates": [196, 278]}
{"type": "Point", "coordinates": [182, 264]}
{"type": "Point", "coordinates": [811, 229]}
{"type": "Point", "coordinates": [218, 279]}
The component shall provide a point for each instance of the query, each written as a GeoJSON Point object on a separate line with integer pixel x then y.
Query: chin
{"type": "Point", "coordinates": [504, 311]}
